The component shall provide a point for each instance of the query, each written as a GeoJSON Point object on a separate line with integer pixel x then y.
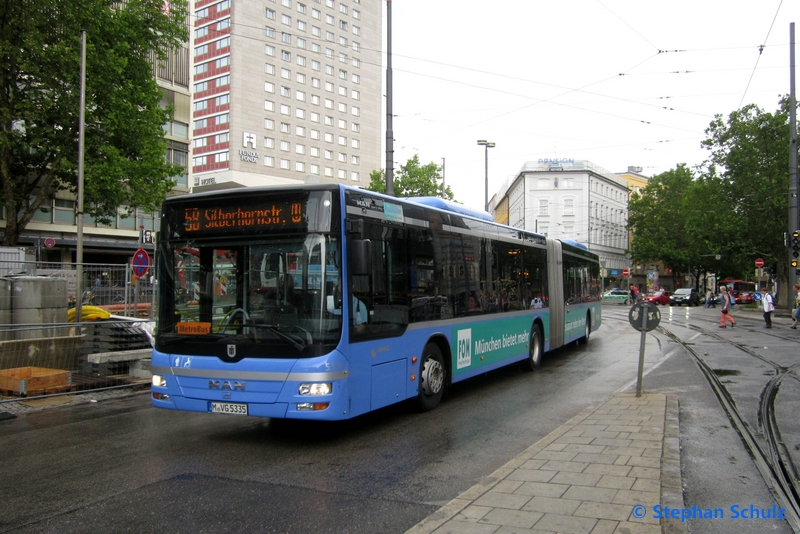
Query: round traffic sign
{"type": "Point", "coordinates": [759, 263]}
{"type": "Point", "coordinates": [49, 242]}
{"type": "Point", "coordinates": [626, 272]}
{"type": "Point", "coordinates": [640, 310]}
{"type": "Point", "coordinates": [141, 262]}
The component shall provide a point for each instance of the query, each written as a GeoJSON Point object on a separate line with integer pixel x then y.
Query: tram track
{"type": "Point", "coordinates": [765, 443]}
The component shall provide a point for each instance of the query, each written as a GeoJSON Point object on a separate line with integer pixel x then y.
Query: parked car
{"type": "Point", "coordinates": [616, 295]}
{"type": "Point", "coordinates": [685, 295]}
{"type": "Point", "coordinates": [744, 298]}
{"type": "Point", "coordinates": [659, 297]}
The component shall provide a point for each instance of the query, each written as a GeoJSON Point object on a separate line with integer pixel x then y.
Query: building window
{"type": "Point", "coordinates": [269, 105]}
{"type": "Point", "coordinates": [314, 169]}
{"type": "Point", "coordinates": [544, 206]}
{"type": "Point", "coordinates": [200, 124]}
{"type": "Point", "coordinates": [269, 32]}
{"type": "Point", "coordinates": [269, 87]}
{"type": "Point", "coordinates": [300, 131]}
{"type": "Point", "coordinates": [285, 164]}
{"type": "Point", "coordinates": [200, 87]}
{"type": "Point", "coordinates": [269, 142]}
{"type": "Point", "coordinates": [269, 124]}
{"type": "Point", "coordinates": [285, 127]}
{"type": "Point", "coordinates": [269, 161]}
{"type": "Point", "coordinates": [221, 138]}
{"type": "Point", "coordinates": [569, 207]}
{"type": "Point", "coordinates": [285, 146]}
{"type": "Point", "coordinates": [223, 156]}
{"type": "Point", "coordinates": [269, 69]}
{"type": "Point", "coordinates": [286, 110]}
{"type": "Point", "coordinates": [354, 176]}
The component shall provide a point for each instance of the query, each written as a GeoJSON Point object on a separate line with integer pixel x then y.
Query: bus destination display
{"type": "Point", "coordinates": [244, 216]}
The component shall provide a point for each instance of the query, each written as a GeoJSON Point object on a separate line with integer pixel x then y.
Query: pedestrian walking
{"type": "Point", "coordinates": [796, 311]}
{"type": "Point", "coordinates": [769, 306]}
{"type": "Point", "coordinates": [710, 299]}
{"type": "Point", "coordinates": [726, 300]}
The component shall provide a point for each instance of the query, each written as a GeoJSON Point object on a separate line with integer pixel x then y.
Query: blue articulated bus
{"type": "Point", "coordinates": [324, 302]}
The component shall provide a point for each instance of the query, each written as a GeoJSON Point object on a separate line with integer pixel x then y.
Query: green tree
{"type": "Point", "coordinates": [751, 151]}
{"type": "Point", "coordinates": [413, 180]}
{"type": "Point", "coordinates": [658, 217]}
{"type": "Point", "coordinates": [736, 208]}
{"type": "Point", "coordinates": [39, 109]}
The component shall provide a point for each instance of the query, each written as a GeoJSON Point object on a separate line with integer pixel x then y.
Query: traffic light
{"type": "Point", "coordinates": [795, 244]}
{"type": "Point", "coordinates": [794, 263]}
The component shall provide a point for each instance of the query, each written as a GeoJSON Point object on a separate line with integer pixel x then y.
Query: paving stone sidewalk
{"type": "Point", "coordinates": [584, 477]}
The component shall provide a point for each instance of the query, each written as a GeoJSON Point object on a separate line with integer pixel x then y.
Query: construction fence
{"type": "Point", "coordinates": [46, 349]}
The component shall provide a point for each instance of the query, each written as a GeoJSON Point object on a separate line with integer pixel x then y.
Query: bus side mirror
{"type": "Point", "coordinates": [360, 257]}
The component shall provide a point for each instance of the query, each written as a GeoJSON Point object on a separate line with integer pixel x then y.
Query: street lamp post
{"type": "Point", "coordinates": [487, 146]}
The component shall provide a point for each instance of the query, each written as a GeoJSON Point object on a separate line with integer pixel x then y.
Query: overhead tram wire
{"type": "Point", "coordinates": [568, 90]}
{"type": "Point", "coordinates": [760, 51]}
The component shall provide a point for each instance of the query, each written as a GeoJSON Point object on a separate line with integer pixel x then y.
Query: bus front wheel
{"type": "Point", "coordinates": [432, 374]}
{"type": "Point", "coordinates": [535, 349]}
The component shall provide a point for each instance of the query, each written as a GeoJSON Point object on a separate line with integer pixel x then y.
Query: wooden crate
{"type": "Point", "coordinates": [34, 380]}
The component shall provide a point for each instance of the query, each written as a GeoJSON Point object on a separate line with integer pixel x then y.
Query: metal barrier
{"type": "Point", "coordinates": [43, 351]}
{"type": "Point", "coordinates": [70, 357]}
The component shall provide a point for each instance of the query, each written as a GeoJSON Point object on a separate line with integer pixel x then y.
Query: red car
{"type": "Point", "coordinates": [659, 297]}
{"type": "Point", "coordinates": [743, 298]}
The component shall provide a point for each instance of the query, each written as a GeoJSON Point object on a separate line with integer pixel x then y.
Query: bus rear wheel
{"type": "Point", "coordinates": [587, 329]}
{"type": "Point", "coordinates": [535, 350]}
{"type": "Point", "coordinates": [432, 374]}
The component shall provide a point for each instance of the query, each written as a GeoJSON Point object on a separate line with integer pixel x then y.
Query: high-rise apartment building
{"type": "Point", "coordinates": [283, 89]}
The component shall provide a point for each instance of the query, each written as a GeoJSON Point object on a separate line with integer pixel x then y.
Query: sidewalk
{"type": "Point", "coordinates": [584, 477]}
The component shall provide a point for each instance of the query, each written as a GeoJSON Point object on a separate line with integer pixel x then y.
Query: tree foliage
{"type": "Point", "coordinates": [736, 207]}
{"type": "Point", "coordinates": [124, 144]}
{"type": "Point", "coordinates": [413, 180]}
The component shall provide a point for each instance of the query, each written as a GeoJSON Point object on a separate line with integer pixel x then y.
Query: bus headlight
{"type": "Point", "coordinates": [159, 381]}
{"type": "Point", "coordinates": [322, 388]}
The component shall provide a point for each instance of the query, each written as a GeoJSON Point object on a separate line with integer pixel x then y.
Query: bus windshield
{"type": "Point", "coordinates": [263, 294]}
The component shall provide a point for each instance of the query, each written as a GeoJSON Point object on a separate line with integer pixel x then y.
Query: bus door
{"type": "Point", "coordinates": [555, 281]}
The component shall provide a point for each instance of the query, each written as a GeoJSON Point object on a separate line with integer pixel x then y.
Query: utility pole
{"type": "Point", "coordinates": [793, 215]}
{"type": "Point", "coordinates": [389, 131]}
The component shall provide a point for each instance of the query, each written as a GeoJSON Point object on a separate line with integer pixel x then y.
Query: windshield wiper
{"type": "Point", "coordinates": [299, 345]}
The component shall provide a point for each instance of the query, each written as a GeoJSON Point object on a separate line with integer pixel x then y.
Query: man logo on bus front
{"type": "Point", "coordinates": [231, 351]}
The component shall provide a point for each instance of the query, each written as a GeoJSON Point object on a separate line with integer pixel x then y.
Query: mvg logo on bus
{"type": "Point", "coordinates": [464, 356]}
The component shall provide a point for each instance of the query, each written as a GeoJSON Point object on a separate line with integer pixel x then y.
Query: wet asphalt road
{"type": "Point", "coordinates": [121, 466]}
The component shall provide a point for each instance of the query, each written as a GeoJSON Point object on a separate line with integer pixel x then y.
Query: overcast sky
{"type": "Point", "coordinates": [617, 82]}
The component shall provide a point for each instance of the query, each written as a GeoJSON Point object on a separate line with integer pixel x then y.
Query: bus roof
{"type": "Point", "coordinates": [446, 205]}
